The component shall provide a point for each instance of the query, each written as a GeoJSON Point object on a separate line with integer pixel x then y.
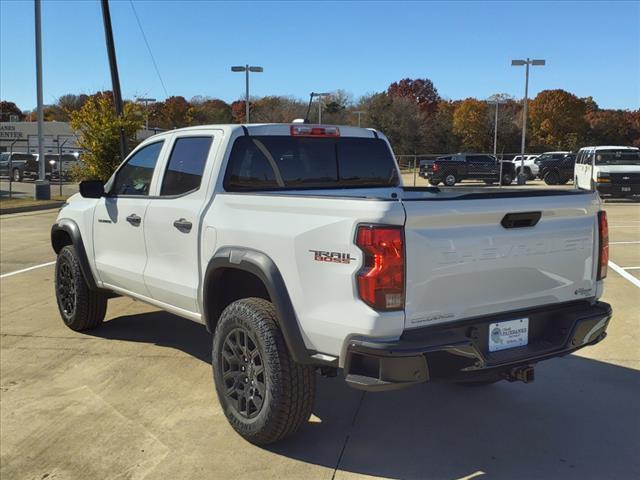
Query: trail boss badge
{"type": "Point", "coordinates": [331, 257]}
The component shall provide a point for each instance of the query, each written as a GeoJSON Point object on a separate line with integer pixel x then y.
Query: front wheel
{"type": "Point", "coordinates": [80, 307]}
{"type": "Point", "coordinates": [434, 182]}
{"type": "Point", "coordinates": [265, 395]}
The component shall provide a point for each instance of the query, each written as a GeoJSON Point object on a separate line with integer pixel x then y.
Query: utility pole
{"type": "Point", "coordinates": [495, 99]}
{"type": "Point", "coordinates": [146, 102]}
{"type": "Point", "coordinates": [43, 191]}
{"type": "Point", "coordinates": [247, 69]}
{"type": "Point", "coordinates": [517, 63]}
{"type": "Point", "coordinates": [359, 115]}
{"type": "Point", "coordinates": [115, 79]}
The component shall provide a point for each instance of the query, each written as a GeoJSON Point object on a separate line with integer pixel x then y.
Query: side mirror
{"type": "Point", "coordinates": [92, 189]}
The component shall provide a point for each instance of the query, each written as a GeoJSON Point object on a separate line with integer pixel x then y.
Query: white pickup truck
{"type": "Point", "coordinates": [301, 251]}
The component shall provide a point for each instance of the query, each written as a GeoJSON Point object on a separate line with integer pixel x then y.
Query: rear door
{"type": "Point", "coordinates": [118, 222]}
{"type": "Point", "coordinates": [173, 219]}
{"type": "Point", "coordinates": [462, 262]}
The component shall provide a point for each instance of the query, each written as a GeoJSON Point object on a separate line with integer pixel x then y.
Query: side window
{"type": "Point", "coordinates": [134, 177]}
{"type": "Point", "coordinates": [186, 164]}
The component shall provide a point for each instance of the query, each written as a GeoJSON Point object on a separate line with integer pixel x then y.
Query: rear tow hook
{"type": "Point", "coordinates": [521, 374]}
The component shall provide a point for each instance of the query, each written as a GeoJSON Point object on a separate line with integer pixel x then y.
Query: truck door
{"type": "Point", "coordinates": [118, 222]}
{"type": "Point", "coordinates": [173, 220]}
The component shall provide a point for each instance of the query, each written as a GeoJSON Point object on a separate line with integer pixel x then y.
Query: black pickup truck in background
{"type": "Point", "coordinates": [452, 169]}
{"type": "Point", "coordinates": [556, 168]}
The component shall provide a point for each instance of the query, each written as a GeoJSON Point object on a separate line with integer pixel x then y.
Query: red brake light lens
{"type": "Point", "coordinates": [435, 167]}
{"type": "Point", "coordinates": [603, 240]}
{"type": "Point", "coordinates": [381, 279]}
{"type": "Point", "coordinates": [309, 131]}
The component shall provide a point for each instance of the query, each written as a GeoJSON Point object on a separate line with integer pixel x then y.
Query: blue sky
{"type": "Point", "coordinates": [465, 48]}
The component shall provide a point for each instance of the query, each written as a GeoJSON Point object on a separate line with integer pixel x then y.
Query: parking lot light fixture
{"type": "Point", "coordinates": [246, 69]}
{"type": "Point", "coordinates": [146, 102]}
{"type": "Point", "coordinates": [518, 63]}
{"type": "Point", "coordinates": [497, 101]}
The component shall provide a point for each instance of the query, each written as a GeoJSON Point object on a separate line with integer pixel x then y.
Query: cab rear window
{"type": "Point", "coordinates": [292, 163]}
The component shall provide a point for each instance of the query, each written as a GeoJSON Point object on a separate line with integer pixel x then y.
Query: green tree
{"type": "Point", "coordinates": [98, 127]}
{"type": "Point", "coordinates": [471, 125]}
{"type": "Point", "coordinates": [276, 109]}
{"type": "Point", "coordinates": [397, 117]}
{"type": "Point", "coordinates": [174, 112]}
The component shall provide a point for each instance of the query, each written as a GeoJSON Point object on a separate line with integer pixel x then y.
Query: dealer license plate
{"type": "Point", "coordinates": [510, 334]}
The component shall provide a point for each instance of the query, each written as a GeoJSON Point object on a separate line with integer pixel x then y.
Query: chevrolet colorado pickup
{"type": "Point", "coordinates": [301, 251]}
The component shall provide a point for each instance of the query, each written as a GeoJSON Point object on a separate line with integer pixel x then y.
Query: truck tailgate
{"type": "Point", "coordinates": [462, 262]}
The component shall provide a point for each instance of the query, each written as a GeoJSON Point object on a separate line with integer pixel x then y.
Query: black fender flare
{"type": "Point", "coordinates": [71, 228]}
{"type": "Point", "coordinates": [263, 267]}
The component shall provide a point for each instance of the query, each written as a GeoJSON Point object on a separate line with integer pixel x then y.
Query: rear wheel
{"type": "Point", "coordinates": [265, 395]}
{"type": "Point", "coordinates": [434, 182]}
{"type": "Point", "coordinates": [80, 307]}
{"type": "Point", "coordinates": [552, 178]}
{"type": "Point", "coordinates": [16, 175]}
{"type": "Point", "coordinates": [450, 180]}
{"type": "Point", "coordinates": [507, 179]}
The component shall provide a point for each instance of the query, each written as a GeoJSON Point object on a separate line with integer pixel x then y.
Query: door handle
{"type": "Point", "coordinates": [183, 225]}
{"type": "Point", "coordinates": [134, 220]}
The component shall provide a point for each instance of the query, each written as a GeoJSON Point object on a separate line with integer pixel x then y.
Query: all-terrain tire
{"type": "Point", "coordinates": [433, 182]}
{"type": "Point", "coordinates": [552, 178]}
{"type": "Point", "coordinates": [507, 179]}
{"type": "Point", "coordinates": [288, 388]}
{"type": "Point", "coordinates": [80, 307]}
{"type": "Point", "coordinates": [450, 179]}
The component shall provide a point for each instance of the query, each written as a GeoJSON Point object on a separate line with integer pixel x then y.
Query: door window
{"type": "Point", "coordinates": [186, 164]}
{"type": "Point", "coordinates": [134, 177]}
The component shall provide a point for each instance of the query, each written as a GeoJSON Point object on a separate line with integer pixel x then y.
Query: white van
{"type": "Point", "coordinates": [611, 170]}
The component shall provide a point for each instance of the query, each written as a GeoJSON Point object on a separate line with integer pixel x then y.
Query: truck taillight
{"type": "Point", "coordinates": [435, 167]}
{"type": "Point", "coordinates": [603, 242]}
{"type": "Point", "coordinates": [381, 279]}
{"type": "Point", "coordinates": [309, 131]}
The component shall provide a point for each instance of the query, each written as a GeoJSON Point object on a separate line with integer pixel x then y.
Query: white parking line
{"type": "Point", "coordinates": [631, 268]}
{"type": "Point", "coordinates": [10, 274]}
{"type": "Point", "coordinates": [621, 271]}
{"type": "Point", "coordinates": [623, 243]}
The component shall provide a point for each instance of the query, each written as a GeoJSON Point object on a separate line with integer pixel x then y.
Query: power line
{"type": "Point", "coordinates": [155, 65]}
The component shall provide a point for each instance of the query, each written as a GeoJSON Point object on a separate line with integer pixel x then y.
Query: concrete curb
{"type": "Point", "coordinates": [31, 208]}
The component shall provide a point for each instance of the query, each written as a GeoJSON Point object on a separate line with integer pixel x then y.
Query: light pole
{"type": "Point", "coordinates": [247, 69]}
{"type": "Point", "coordinates": [42, 190]}
{"type": "Point", "coordinates": [497, 103]}
{"type": "Point", "coordinates": [359, 113]}
{"type": "Point", "coordinates": [522, 178]}
{"type": "Point", "coordinates": [319, 97]}
{"type": "Point", "coordinates": [146, 102]}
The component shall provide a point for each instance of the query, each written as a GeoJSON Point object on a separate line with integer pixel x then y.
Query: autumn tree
{"type": "Point", "coordinates": [471, 125]}
{"type": "Point", "coordinates": [174, 112]}
{"type": "Point", "coordinates": [207, 111]}
{"type": "Point", "coordinates": [397, 117]}
{"type": "Point", "coordinates": [276, 109]}
{"type": "Point", "coordinates": [420, 90]}
{"type": "Point", "coordinates": [557, 120]}
{"type": "Point", "coordinates": [9, 109]}
{"type": "Point", "coordinates": [99, 134]}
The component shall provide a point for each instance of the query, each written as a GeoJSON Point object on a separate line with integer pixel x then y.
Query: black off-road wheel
{"type": "Point", "coordinates": [507, 179]}
{"type": "Point", "coordinates": [80, 307]}
{"type": "Point", "coordinates": [450, 179]}
{"type": "Point", "coordinates": [265, 395]}
{"type": "Point", "coordinates": [552, 178]}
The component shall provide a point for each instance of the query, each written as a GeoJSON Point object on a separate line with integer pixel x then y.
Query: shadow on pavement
{"type": "Point", "coordinates": [579, 419]}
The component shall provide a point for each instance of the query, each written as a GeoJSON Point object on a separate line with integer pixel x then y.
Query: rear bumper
{"type": "Point", "coordinates": [460, 350]}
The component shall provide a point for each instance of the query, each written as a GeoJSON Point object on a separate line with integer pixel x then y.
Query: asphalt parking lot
{"type": "Point", "coordinates": [134, 399]}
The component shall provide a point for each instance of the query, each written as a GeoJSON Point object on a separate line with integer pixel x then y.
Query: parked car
{"type": "Point", "coordinates": [301, 251]}
{"type": "Point", "coordinates": [555, 168]}
{"type": "Point", "coordinates": [452, 169]}
{"type": "Point", "coordinates": [12, 165]}
{"type": "Point", "coordinates": [529, 166]}
{"type": "Point", "coordinates": [611, 170]}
